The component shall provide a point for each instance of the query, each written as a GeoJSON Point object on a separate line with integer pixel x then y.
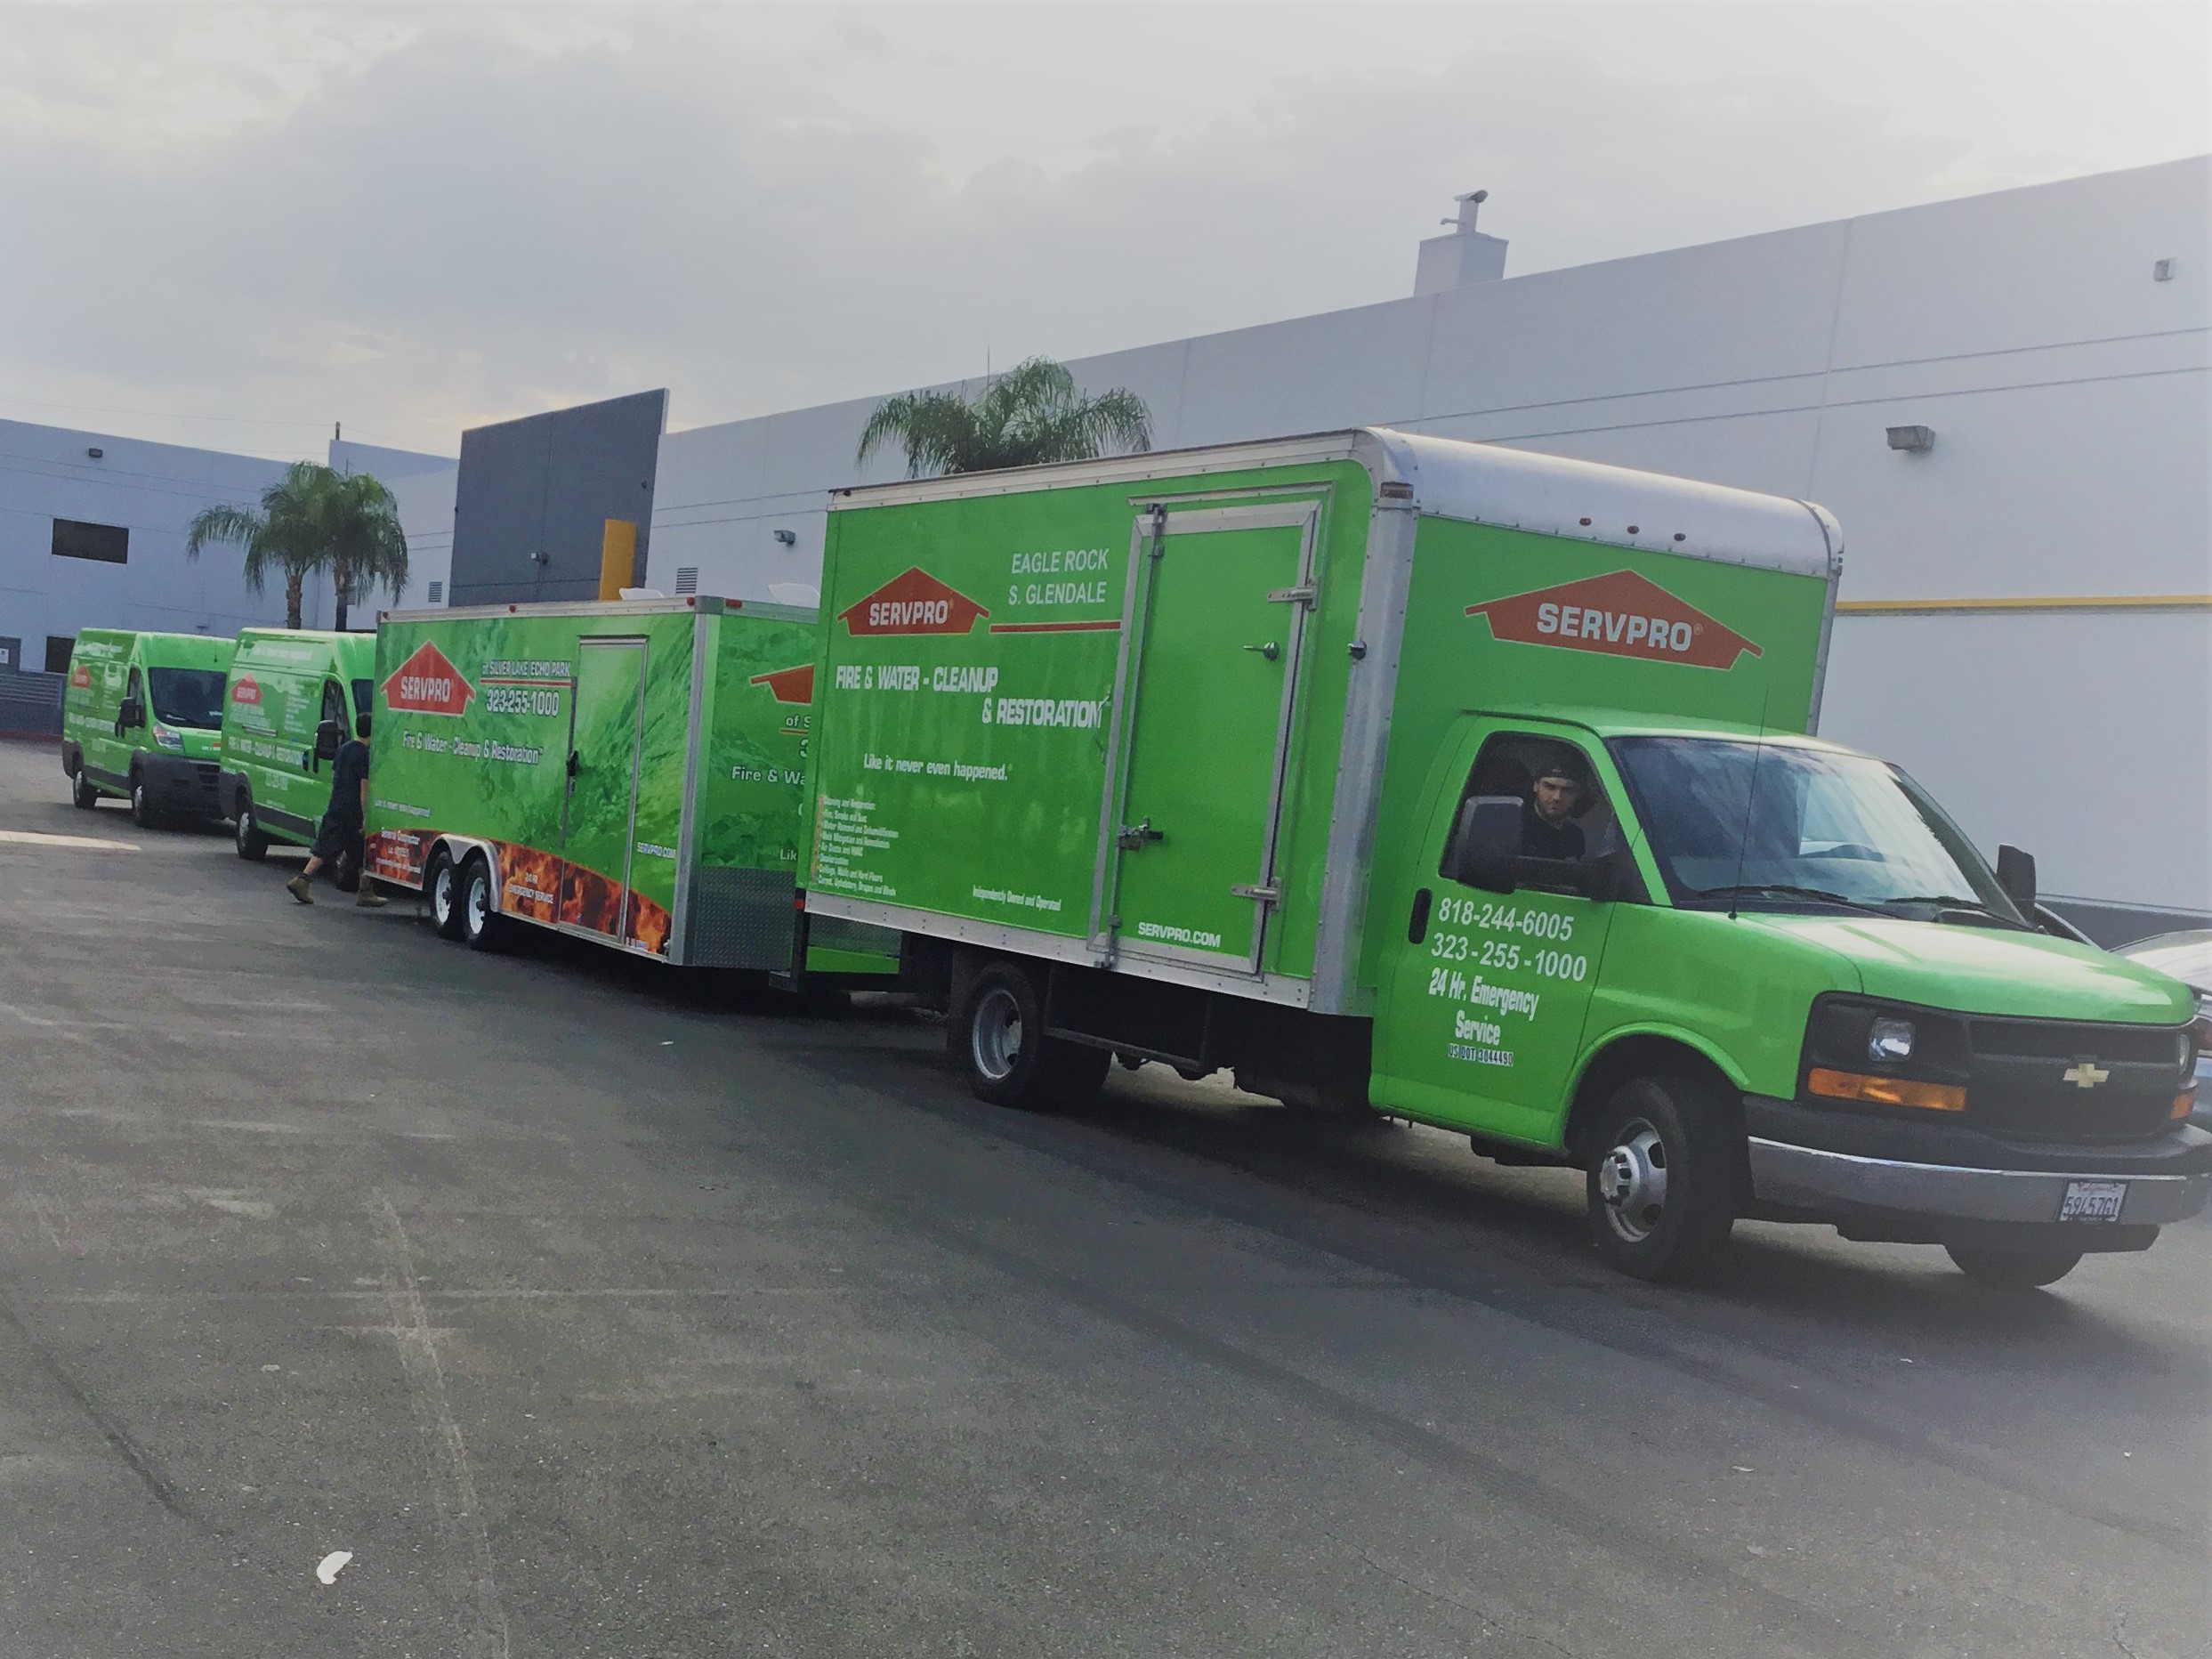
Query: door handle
{"type": "Point", "coordinates": [1271, 651]}
{"type": "Point", "coordinates": [1135, 836]}
{"type": "Point", "coordinates": [576, 763]}
{"type": "Point", "coordinates": [1417, 924]}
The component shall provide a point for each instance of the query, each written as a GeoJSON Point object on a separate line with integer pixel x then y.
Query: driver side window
{"type": "Point", "coordinates": [333, 707]}
{"type": "Point", "coordinates": [1565, 815]}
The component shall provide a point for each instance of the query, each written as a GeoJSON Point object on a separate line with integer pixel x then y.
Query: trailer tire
{"type": "Point", "coordinates": [441, 890]}
{"type": "Point", "coordinates": [83, 796]}
{"type": "Point", "coordinates": [998, 1038]}
{"type": "Point", "coordinates": [1665, 1178]}
{"type": "Point", "coordinates": [2029, 1269]}
{"type": "Point", "coordinates": [480, 917]}
{"type": "Point", "coordinates": [246, 834]}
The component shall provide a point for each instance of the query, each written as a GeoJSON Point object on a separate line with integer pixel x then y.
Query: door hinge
{"type": "Point", "coordinates": [1135, 836]}
{"type": "Point", "coordinates": [1303, 595]}
{"type": "Point", "coordinates": [1269, 895]}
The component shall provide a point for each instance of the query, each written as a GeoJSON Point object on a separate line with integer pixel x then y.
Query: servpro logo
{"type": "Point", "coordinates": [789, 685]}
{"type": "Point", "coordinates": [427, 683]}
{"type": "Point", "coordinates": [913, 601]}
{"type": "Point", "coordinates": [1620, 615]}
{"type": "Point", "coordinates": [81, 677]}
{"type": "Point", "coordinates": [246, 690]}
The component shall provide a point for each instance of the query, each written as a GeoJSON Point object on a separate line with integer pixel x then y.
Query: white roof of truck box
{"type": "Point", "coordinates": [1482, 483]}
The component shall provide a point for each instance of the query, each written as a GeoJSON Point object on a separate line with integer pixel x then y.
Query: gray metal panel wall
{"type": "Point", "coordinates": [31, 704]}
{"type": "Point", "coordinates": [534, 495]}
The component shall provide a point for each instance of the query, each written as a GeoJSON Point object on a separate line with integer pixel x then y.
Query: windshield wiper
{"type": "Point", "coordinates": [1765, 889]}
{"type": "Point", "coordinates": [1950, 903]}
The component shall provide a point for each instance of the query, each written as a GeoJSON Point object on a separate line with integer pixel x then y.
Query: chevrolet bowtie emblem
{"type": "Point", "coordinates": [2085, 1074]}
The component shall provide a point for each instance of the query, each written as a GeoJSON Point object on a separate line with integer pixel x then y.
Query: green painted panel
{"type": "Point", "coordinates": [1203, 739]}
{"type": "Point", "coordinates": [606, 741]}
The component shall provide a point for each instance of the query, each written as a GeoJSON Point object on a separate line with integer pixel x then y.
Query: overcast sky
{"type": "Point", "coordinates": [231, 225]}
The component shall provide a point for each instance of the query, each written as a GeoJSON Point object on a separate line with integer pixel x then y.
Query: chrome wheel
{"type": "Point", "coordinates": [479, 904]}
{"type": "Point", "coordinates": [441, 896]}
{"type": "Point", "coordinates": [995, 1034]}
{"type": "Point", "coordinates": [1631, 1180]}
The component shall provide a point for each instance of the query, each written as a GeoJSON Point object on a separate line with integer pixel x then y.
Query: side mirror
{"type": "Point", "coordinates": [328, 736]}
{"type": "Point", "coordinates": [133, 713]}
{"type": "Point", "coordinates": [1486, 843]}
{"type": "Point", "coordinates": [2015, 873]}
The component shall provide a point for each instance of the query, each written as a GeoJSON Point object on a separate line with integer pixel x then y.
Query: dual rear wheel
{"type": "Point", "coordinates": [997, 1036]}
{"type": "Point", "coordinates": [461, 901]}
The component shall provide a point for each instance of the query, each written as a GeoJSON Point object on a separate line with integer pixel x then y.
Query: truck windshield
{"type": "Point", "coordinates": [188, 697]}
{"type": "Point", "coordinates": [1739, 824]}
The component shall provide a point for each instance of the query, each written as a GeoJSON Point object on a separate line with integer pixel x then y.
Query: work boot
{"type": "Point", "coordinates": [366, 898]}
{"type": "Point", "coordinates": [297, 888]}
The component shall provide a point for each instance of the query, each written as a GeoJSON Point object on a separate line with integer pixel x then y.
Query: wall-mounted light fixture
{"type": "Point", "coordinates": [2161, 270]}
{"type": "Point", "coordinates": [1912, 440]}
{"type": "Point", "coordinates": [789, 538]}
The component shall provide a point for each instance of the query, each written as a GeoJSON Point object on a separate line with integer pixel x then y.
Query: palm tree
{"type": "Point", "coordinates": [309, 519]}
{"type": "Point", "coordinates": [1032, 414]}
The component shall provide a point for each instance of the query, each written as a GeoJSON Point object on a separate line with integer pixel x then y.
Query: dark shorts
{"type": "Point", "coordinates": [336, 835]}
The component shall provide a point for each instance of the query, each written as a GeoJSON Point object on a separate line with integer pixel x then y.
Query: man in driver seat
{"type": "Point", "coordinates": [1547, 817]}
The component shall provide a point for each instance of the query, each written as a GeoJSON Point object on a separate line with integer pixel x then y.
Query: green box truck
{"type": "Point", "coordinates": [1470, 786]}
{"type": "Point", "coordinates": [294, 694]}
{"type": "Point", "coordinates": [141, 717]}
{"type": "Point", "coordinates": [632, 773]}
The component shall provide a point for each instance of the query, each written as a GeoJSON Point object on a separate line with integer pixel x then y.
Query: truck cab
{"type": "Point", "coordinates": [141, 719]}
{"type": "Point", "coordinates": [291, 696]}
{"type": "Point", "coordinates": [1736, 973]}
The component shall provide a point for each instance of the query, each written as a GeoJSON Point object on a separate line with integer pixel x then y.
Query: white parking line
{"type": "Point", "coordinates": [33, 837]}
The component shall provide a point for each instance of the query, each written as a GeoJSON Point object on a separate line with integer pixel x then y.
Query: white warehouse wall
{"type": "Point", "coordinates": [2069, 392]}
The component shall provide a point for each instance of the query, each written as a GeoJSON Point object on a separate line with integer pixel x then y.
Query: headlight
{"type": "Point", "coordinates": [1890, 1040]}
{"type": "Point", "coordinates": [168, 738]}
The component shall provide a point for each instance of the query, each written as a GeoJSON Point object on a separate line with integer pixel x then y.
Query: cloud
{"type": "Point", "coordinates": [419, 221]}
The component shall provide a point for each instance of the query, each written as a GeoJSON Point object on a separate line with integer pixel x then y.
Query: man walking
{"type": "Point", "coordinates": [343, 821]}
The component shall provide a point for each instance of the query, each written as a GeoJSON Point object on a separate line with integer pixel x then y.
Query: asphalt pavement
{"type": "Point", "coordinates": [589, 1309]}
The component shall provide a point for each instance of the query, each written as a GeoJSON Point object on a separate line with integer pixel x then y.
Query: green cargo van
{"type": "Point", "coordinates": [293, 695]}
{"type": "Point", "coordinates": [1471, 786]}
{"type": "Point", "coordinates": [629, 774]}
{"type": "Point", "coordinates": [141, 717]}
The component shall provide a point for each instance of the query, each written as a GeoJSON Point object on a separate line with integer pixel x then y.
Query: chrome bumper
{"type": "Point", "coordinates": [1805, 1178]}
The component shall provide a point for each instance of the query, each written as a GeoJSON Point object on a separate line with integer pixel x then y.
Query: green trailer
{"type": "Point", "coordinates": [293, 694]}
{"type": "Point", "coordinates": [1471, 786]}
{"type": "Point", "coordinates": [141, 717]}
{"type": "Point", "coordinates": [629, 773]}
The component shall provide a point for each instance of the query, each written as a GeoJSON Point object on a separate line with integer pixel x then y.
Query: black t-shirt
{"type": "Point", "coordinates": [348, 773]}
{"type": "Point", "coordinates": [1539, 840]}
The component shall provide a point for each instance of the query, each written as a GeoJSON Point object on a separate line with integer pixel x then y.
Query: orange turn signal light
{"type": "Point", "coordinates": [2185, 1103]}
{"type": "Point", "coordinates": [1886, 1091]}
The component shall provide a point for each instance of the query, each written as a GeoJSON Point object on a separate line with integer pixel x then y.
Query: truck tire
{"type": "Point", "coordinates": [1665, 1178]}
{"type": "Point", "coordinates": [2029, 1269]}
{"type": "Point", "coordinates": [480, 918]}
{"type": "Point", "coordinates": [143, 813]}
{"type": "Point", "coordinates": [253, 846]}
{"type": "Point", "coordinates": [998, 1040]}
{"type": "Point", "coordinates": [442, 887]}
{"type": "Point", "coordinates": [83, 796]}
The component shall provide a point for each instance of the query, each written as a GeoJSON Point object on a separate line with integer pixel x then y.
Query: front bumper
{"type": "Point", "coordinates": [1883, 1177]}
{"type": "Point", "coordinates": [1805, 1177]}
{"type": "Point", "coordinates": [177, 783]}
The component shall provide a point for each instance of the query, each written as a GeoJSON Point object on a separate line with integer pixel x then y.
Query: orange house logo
{"type": "Point", "coordinates": [789, 685]}
{"type": "Point", "coordinates": [1620, 615]}
{"type": "Point", "coordinates": [247, 691]}
{"type": "Point", "coordinates": [428, 683]}
{"type": "Point", "coordinates": [81, 677]}
{"type": "Point", "coordinates": [913, 601]}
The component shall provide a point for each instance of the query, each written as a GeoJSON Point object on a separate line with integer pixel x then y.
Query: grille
{"type": "Point", "coordinates": [687, 578]}
{"type": "Point", "coordinates": [206, 769]}
{"type": "Point", "coordinates": [2020, 1084]}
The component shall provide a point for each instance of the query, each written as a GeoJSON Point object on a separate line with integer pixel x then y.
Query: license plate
{"type": "Point", "coordinates": [2093, 1200]}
